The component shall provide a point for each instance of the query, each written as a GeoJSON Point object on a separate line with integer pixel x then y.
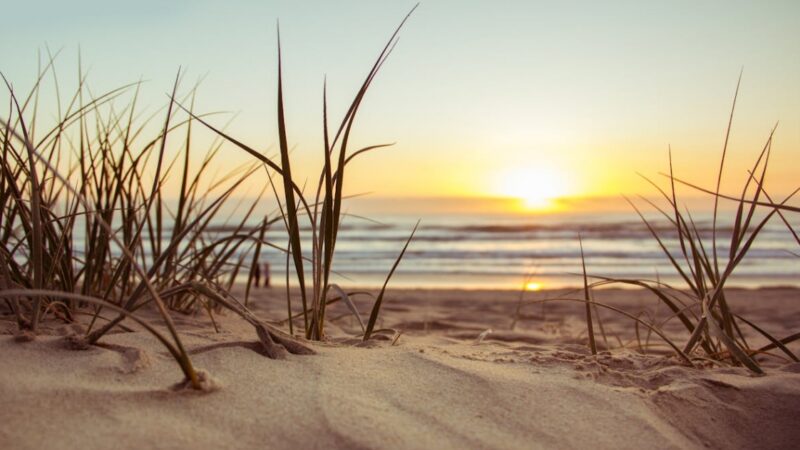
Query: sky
{"type": "Point", "coordinates": [528, 99]}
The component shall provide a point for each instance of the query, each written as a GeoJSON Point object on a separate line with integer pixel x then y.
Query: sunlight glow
{"type": "Point", "coordinates": [533, 286]}
{"type": "Point", "coordinates": [537, 187]}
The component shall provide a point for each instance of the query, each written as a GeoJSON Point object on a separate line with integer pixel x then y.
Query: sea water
{"type": "Point", "coordinates": [506, 251]}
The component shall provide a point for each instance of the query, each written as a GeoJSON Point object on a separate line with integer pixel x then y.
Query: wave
{"type": "Point", "coordinates": [494, 246]}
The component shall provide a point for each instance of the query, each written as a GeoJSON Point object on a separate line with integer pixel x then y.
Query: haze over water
{"type": "Point", "coordinates": [457, 247]}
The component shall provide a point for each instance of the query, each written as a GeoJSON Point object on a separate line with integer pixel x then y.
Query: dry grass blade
{"type": "Point", "coordinates": [684, 356]}
{"type": "Point", "coordinates": [589, 327]}
{"type": "Point", "coordinates": [719, 175]}
{"type": "Point", "coordinates": [376, 308]}
{"type": "Point", "coordinates": [274, 342]}
{"type": "Point", "coordinates": [522, 291]}
{"type": "Point", "coordinates": [730, 344]}
{"type": "Point", "coordinates": [781, 206]}
{"type": "Point", "coordinates": [664, 248]}
{"type": "Point", "coordinates": [11, 293]}
{"type": "Point", "coordinates": [775, 342]}
{"type": "Point", "coordinates": [288, 192]}
{"type": "Point", "coordinates": [349, 302]}
{"type": "Point", "coordinates": [784, 341]}
{"type": "Point", "coordinates": [255, 262]}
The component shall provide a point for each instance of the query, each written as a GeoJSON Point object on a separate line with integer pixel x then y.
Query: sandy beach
{"type": "Point", "coordinates": [438, 385]}
{"type": "Point", "coordinates": [499, 225]}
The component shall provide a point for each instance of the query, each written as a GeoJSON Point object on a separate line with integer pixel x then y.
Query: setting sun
{"type": "Point", "coordinates": [533, 286]}
{"type": "Point", "coordinates": [537, 187]}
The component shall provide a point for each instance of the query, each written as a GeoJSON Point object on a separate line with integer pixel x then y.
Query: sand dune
{"type": "Point", "coordinates": [535, 386]}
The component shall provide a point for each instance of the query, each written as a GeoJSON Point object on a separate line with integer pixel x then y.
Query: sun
{"type": "Point", "coordinates": [537, 187]}
{"type": "Point", "coordinates": [533, 286]}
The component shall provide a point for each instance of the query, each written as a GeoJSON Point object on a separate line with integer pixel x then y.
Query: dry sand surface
{"type": "Point", "coordinates": [535, 386]}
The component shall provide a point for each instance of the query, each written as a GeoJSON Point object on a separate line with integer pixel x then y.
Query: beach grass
{"type": "Point", "coordinates": [713, 329]}
{"type": "Point", "coordinates": [87, 228]}
{"type": "Point", "coordinates": [324, 211]}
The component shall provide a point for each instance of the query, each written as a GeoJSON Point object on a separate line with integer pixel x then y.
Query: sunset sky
{"type": "Point", "coordinates": [484, 99]}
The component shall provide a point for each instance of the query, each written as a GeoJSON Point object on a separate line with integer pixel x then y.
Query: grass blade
{"type": "Point", "coordinates": [589, 327]}
{"type": "Point", "coordinates": [376, 308]}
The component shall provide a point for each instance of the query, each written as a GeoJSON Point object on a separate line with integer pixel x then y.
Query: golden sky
{"type": "Point", "coordinates": [535, 100]}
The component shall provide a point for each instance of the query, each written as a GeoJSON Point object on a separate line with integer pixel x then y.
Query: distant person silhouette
{"type": "Point", "coordinates": [257, 274]}
{"type": "Point", "coordinates": [266, 274]}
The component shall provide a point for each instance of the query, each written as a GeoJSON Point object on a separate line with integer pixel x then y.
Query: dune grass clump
{"type": "Point", "coordinates": [83, 231]}
{"type": "Point", "coordinates": [43, 209]}
{"type": "Point", "coordinates": [324, 210]}
{"type": "Point", "coordinates": [714, 332]}
{"type": "Point", "coordinates": [87, 228]}
{"type": "Point", "coordinates": [717, 330]}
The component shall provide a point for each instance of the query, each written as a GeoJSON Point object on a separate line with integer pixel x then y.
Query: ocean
{"type": "Point", "coordinates": [497, 251]}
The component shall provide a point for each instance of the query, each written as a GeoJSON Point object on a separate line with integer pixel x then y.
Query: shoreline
{"type": "Point", "coordinates": [281, 288]}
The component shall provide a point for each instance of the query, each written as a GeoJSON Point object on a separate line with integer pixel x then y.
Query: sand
{"type": "Point", "coordinates": [437, 386]}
